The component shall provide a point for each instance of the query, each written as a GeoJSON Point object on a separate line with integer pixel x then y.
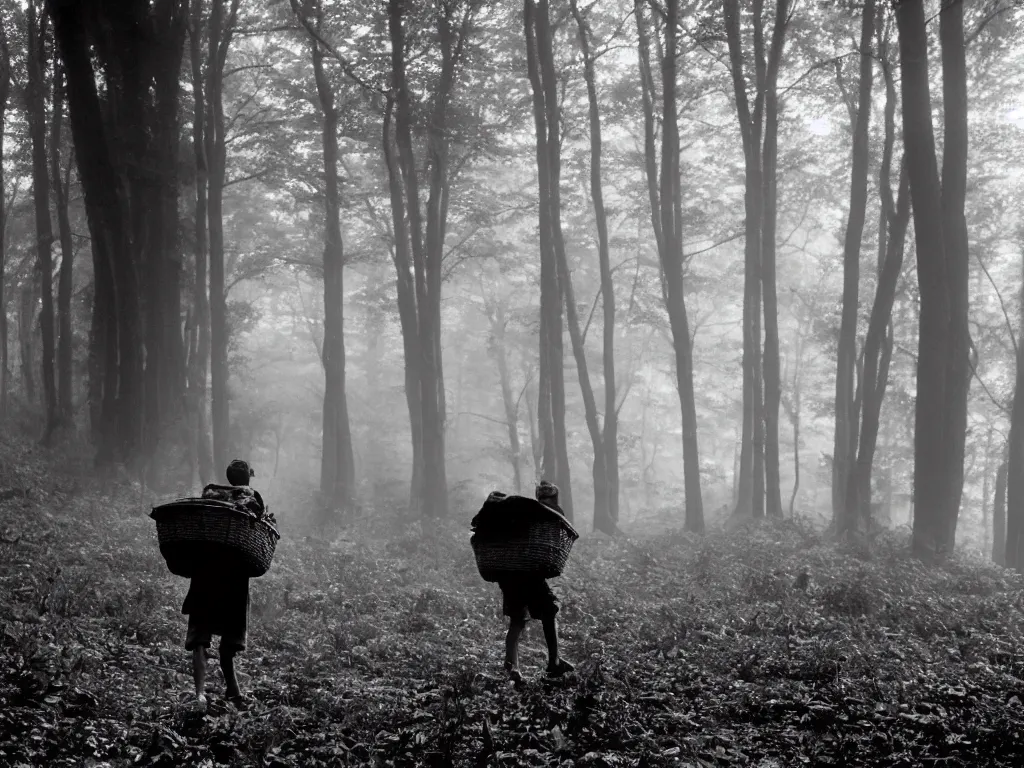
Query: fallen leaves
{"type": "Point", "coordinates": [386, 650]}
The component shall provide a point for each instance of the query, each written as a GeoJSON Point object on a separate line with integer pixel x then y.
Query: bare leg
{"type": "Point", "coordinates": [227, 665]}
{"type": "Point", "coordinates": [515, 631]}
{"type": "Point", "coordinates": [556, 665]}
{"type": "Point", "coordinates": [199, 671]}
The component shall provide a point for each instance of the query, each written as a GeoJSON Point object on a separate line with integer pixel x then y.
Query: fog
{"type": "Point", "coordinates": [742, 280]}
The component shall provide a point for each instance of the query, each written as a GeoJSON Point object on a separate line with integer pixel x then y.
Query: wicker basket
{"type": "Point", "coordinates": [196, 532]}
{"type": "Point", "coordinates": [540, 547]}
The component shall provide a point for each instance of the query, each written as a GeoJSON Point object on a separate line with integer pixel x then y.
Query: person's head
{"type": "Point", "coordinates": [239, 472]}
{"type": "Point", "coordinates": [547, 493]}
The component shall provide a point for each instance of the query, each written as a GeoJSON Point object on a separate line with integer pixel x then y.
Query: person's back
{"type": "Point", "coordinates": [217, 603]}
{"type": "Point", "coordinates": [529, 597]}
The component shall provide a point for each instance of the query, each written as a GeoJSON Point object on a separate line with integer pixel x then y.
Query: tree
{"type": "Point", "coordinates": [846, 402]}
{"type": "Point", "coordinates": [221, 30]}
{"type": "Point", "coordinates": [667, 218]}
{"type": "Point", "coordinates": [878, 343]}
{"type": "Point", "coordinates": [954, 231]}
{"type": "Point", "coordinates": [5, 90]}
{"type": "Point", "coordinates": [337, 464]}
{"type": "Point", "coordinates": [199, 325]}
{"type": "Point", "coordinates": [424, 236]}
{"type": "Point", "coordinates": [759, 131]}
{"type": "Point", "coordinates": [606, 450]}
{"type": "Point", "coordinates": [36, 109]}
{"type": "Point", "coordinates": [544, 88]}
{"type": "Point", "coordinates": [938, 432]}
{"type": "Point", "coordinates": [136, 354]}
{"type": "Point", "coordinates": [61, 182]}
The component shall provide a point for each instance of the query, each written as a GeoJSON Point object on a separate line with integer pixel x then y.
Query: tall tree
{"type": "Point", "coordinates": [665, 195]}
{"type": "Point", "coordinates": [878, 343]}
{"type": "Point", "coordinates": [606, 450]}
{"type": "Point", "coordinates": [61, 180]}
{"type": "Point", "coordinates": [759, 131]}
{"type": "Point", "coordinates": [954, 230]}
{"type": "Point", "coordinates": [131, 201]}
{"type": "Point", "coordinates": [452, 23]}
{"type": "Point", "coordinates": [337, 463]}
{"type": "Point", "coordinates": [36, 109]}
{"type": "Point", "coordinates": [930, 536]}
{"type": "Point", "coordinates": [199, 345]}
{"type": "Point", "coordinates": [769, 181]}
{"type": "Point", "coordinates": [5, 90]}
{"type": "Point", "coordinates": [221, 31]}
{"type": "Point", "coordinates": [498, 349]}
{"type": "Point", "coordinates": [999, 517]}
{"type": "Point", "coordinates": [540, 65]}
{"type": "Point", "coordinates": [846, 405]}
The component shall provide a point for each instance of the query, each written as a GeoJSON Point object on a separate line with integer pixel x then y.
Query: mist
{"type": "Point", "coordinates": [741, 280]}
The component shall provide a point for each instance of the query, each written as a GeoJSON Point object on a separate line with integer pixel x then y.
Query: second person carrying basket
{"type": "Point", "coordinates": [520, 543]}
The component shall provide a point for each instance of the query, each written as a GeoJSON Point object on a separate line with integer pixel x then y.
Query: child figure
{"type": "Point", "coordinates": [217, 603]}
{"type": "Point", "coordinates": [530, 597]}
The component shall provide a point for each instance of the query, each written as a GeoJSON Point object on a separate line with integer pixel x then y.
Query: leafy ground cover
{"type": "Point", "coordinates": [763, 646]}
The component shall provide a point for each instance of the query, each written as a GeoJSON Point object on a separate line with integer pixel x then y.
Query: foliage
{"type": "Point", "coordinates": [763, 646]}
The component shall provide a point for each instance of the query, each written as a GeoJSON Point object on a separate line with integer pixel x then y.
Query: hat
{"type": "Point", "coordinates": [239, 472]}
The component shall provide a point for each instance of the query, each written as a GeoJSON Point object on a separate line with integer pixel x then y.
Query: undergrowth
{"type": "Point", "coordinates": [762, 646]}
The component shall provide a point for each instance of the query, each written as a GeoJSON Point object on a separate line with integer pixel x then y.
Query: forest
{"type": "Point", "coordinates": [743, 278]}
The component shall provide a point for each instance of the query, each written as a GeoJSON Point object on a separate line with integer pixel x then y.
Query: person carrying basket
{"type": "Point", "coordinates": [527, 595]}
{"type": "Point", "coordinates": [217, 603]}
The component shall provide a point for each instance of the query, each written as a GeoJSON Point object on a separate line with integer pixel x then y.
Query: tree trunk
{"type": "Point", "coordinates": [551, 407]}
{"type": "Point", "coordinates": [165, 354]}
{"type": "Point", "coordinates": [892, 230]}
{"type": "Point", "coordinates": [750, 494]}
{"type": "Point", "coordinates": [125, 218]}
{"type": "Point", "coordinates": [999, 517]}
{"type": "Point", "coordinates": [36, 112]}
{"type": "Point", "coordinates": [61, 185]}
{"type": "Point", "coordinates": [497, 347]}
{"type": "Point", "coordinates": [954, 230]}
{"type": "Point", "coordinates": [337, 465]}
{"type": "Point", "coordinates": [930, 534]}
{"type": "Point", "coordinates": [772, 377]}
{"type": "Point", "coordinates": [1013, 548]}
{"type": "Point", "coordinates": [536, 449]}
{"type": "Point", "coordinates": [609, 463]}
{"type": "Point", "coordinates": [877, 354]}
{"type": "Point", "coordinates": [846, 416]}
{"type": "Point", "coordinates": [5, 90]}
{"type": "Point", "coordinates": [220, 34]}
{"type": "Point", "coordinates": [986, 474]}
{"type": "Point", "coordinates": [199, 368]}
{"type": "Point", "coordinates": [406, 309]}
{"type": "Point", "coordinates": [26, 316]}
{"type": "Point", "coordinates": [666, 212]}
{"type": "Point", "coordinates": [427, 237]}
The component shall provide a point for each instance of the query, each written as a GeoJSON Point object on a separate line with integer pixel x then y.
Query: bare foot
{"type": "Point", "coordinates": [513, 672]}
{"type": "Point", "coordinates": [559, 667]}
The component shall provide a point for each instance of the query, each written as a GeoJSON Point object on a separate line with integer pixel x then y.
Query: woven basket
{"type": "Point", "coordinates": [539, 548]}
{"type": "Point", "coordinates": [194, 533]}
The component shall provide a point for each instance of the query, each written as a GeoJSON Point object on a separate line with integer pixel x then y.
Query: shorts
{"type": "Point", "coordinates": [217, 606]}
{"type": "Point", "coordinates": [527, 598]}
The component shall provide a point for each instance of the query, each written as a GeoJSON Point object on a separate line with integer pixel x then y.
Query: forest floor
{"type": "Point", "coordinates": [381, 650]}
